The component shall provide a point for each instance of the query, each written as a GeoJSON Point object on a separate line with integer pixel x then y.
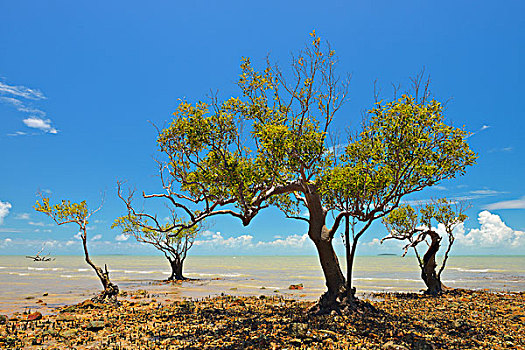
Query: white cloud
{"type": "Point", "coordinates": [21, 91]}
{"type": "Point", "coordinates": [17, 133]}
{"type": "Point", "coordinates": [4, 210]}
{"type": "Point", "coordinates": [121, 237]}
{"type": "Point", "coordinates": [485, 192]}
{"type": "Point", "coordinates": [512, 204]}
{"type": "Point", "coordinates": [40, 223]}
{"type": "Point", "coordinates": [68, 243]}
{"type": "Point", "coordinates": [22, 216]}
{"type": "Point", "coordinates": [17, 97]}
{"type": "Point", "coordinates": [293, 241]}
{"type": "Point", "coordinates": [96, 237]}
{"type": "Point", "coordinates": [21, 107]}
{"type": "Point", "coordinates": [216, 240]}
{"type": "Point", "coordinates": [484, 127]}
{"type": "Point", "coordinates": [376, 242]}
{"type": "Point", "coordinates": [41, 124]}
{"type": "Point", "coordinates": [493, 233]}
{"type": "Point", "coordinates": [78, 235]}
{"type": "Point", "coordinates": [207, 233]}
{"type": "Point", "coordinates": [502, 149]}
{"type": "Point", "coordinates": [5, 242]}
{"type": "Point", "coordinates": [9, 230]}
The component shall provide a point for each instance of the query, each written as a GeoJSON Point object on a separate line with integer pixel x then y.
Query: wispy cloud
{"type": "Point", "coordinates": [22, 216]}
{"type": "Point", "coordinates": [483, 128]}
{"type": "Point", "coordinates": [485, 192]}
{"type": "Point", "coordinates": [9, 230]}
{"type": "Point", "coordinates": [511, 204]}
{"type": "Point", "coordinates": [21, 91]}
{"type": "Point", "coordinates": [21, 98]}
{"type": "Point", "coordinates": [4, 210]}
{"type": "Point", "coordinates": [466, 196]}
{"type": "Point", "coordinates": [17, 133]}
{"type": "Point", "coordinates": [39, 223]}
{"type": "Point", "coordinates": [503, 149]}
{"type": "Point", "coordinates": [21, 107]}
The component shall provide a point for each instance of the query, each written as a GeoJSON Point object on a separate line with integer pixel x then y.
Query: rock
{"type": "Point", "coordinates": [65, 317]}
{"type": "Point", "coordinates": [392, 346]}
{"type": "Point", "coordinates": [70, 308]}
{"type": "Point", "coordinates": [296, 286]}
{"type": "Point", "coordinates": [298, 330]}
{"type": "Point", "coordinates": [3, 319]}
{"type": "Point", "coordinates": [68, 333]}
{"type": "Point", "coordinates": [95, 326]}
{"type": "Point", "coordinates": [34, 316]}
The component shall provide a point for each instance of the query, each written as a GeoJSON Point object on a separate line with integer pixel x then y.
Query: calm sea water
{"type": "Point", "coordinates": [68, 279]}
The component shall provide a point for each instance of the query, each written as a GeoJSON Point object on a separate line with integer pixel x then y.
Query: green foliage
{"type": "Point", "coordinates": [140, 228]}
{"type": "Point", "coordinates": [405, 147]}
{"type": "Point", "coordinates": [402, 219]}
{"type": "Point", "coordinates": [405, 221]}
{"type": "Point", "coordinates": [209, 157]}
{"type": "Point", "coordinates": [65, 211]}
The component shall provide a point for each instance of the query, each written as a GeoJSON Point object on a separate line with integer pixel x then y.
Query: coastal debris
{"type": "Point", "coordinates": [34, 316]}
{"type": "Point", "coordinates": [38, 257]}
{"type": "Point", "coordinates": [296, 286]}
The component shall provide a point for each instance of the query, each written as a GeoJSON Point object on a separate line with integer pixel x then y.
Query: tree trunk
{"type": "Point", "coordinates": [428, 271]}
{"type": "Point", "coordinates": [349, 260]}
{"type": "Point", "coordinates": [110, 292]}
{"type": "Point", "coordinates": [176, 265]}
{"type": "Point", "coordinates": [320, 235]}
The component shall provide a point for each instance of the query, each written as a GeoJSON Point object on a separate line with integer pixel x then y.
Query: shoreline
{"type": "Point", "coordinates": [192, 289]}
{"type": "Point", "coordinates": [50, 285]}
{"type": "Point", "coordinates": [462, 319]}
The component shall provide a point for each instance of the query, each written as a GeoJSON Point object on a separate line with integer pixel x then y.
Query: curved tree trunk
{"type": "Point", "coordinates": [176, 265]}
{"type": "Point", "coordinates": [428, 270]}
{"type": "Point", "coordinates": [110, 292]}
{"type": "Point", "coordinates": [320, 235]}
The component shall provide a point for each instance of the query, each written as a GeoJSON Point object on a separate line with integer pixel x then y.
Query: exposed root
{"type": "Point", "coordinates": [108, 295]}
{"type": "Point", "coordinates": [342, 303]}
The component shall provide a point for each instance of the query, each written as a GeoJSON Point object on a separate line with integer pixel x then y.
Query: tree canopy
{"type": "Point", "coordinates": [67, 212]}
{"type": "Point", "coordinates": [269, 147]}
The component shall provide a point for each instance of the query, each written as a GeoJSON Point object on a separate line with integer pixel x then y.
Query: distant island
{"type": "Point", "coordinates": [387, 254]}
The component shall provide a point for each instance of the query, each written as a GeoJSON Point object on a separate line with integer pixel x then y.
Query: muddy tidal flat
{"type": "Point", "coordinates": [460, 319]}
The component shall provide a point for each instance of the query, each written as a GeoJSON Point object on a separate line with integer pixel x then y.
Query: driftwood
{"type": "Point", "coordinates": [38, 257]}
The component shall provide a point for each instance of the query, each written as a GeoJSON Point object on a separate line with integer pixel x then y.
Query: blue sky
{"type": "Point", "coordinates": [80, 83]}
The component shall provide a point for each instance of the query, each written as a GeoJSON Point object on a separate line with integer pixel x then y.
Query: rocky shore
{"type": "Point", "coordinates": [460, 319]}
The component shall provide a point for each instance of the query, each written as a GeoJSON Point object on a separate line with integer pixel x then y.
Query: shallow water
{"type": "Point", "coordinates": [68, 279]}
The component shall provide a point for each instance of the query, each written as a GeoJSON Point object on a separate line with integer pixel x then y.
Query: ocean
{"type": "Point", "coordinates": [26, 284]}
